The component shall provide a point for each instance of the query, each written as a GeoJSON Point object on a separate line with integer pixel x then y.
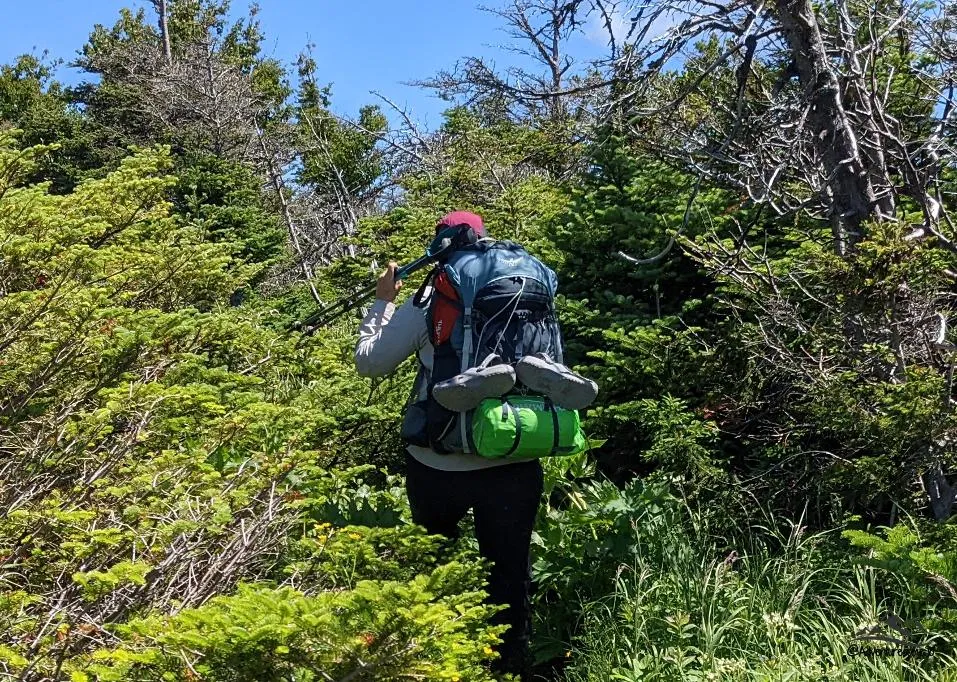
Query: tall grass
{"type": "Point", "coordinates": [765, 604]}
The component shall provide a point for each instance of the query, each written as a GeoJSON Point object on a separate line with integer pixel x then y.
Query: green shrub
{"type": "Point", "coordinates": [431, 627]}
{"type": "Point", "coordinates": [162, 447]}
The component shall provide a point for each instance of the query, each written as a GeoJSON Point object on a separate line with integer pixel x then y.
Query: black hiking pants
{"type": "Point", "coordinates": [504, 500]}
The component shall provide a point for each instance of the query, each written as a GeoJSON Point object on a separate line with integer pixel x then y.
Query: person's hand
{"type": "Point", "coordinates": [388, 286]}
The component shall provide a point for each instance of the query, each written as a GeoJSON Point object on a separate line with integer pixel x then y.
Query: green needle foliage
{"type": "Point", "coordinates": [161, 447]}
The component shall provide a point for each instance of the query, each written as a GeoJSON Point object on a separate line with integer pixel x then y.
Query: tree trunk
{"type": "Point", "coordinates": [162, 9]}
{"type": "Point", "coordinates": [275, 177]}
{"type": "Point", "coordinates": [854, 198]}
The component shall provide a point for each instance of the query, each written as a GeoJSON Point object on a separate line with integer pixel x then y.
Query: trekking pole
{"type": "Point", "coordinates": [333, 311]}
{"type": "Point", "coordinates": [440, 246]}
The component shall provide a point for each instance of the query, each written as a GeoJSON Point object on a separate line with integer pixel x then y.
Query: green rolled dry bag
{"type": "Point", "coordinates": [525, 427]}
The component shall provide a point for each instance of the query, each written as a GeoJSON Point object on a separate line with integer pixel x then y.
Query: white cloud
{"type": "Point", "coordinates": [620, 16]}
{"type": "Point", "coordinates": [663, 18]}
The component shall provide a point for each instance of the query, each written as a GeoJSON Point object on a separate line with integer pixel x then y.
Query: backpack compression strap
{"type": "Point", "coordinates": [466, 363]}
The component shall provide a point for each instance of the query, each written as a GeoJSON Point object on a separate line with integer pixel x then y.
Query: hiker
{"type": "Point", "coordinates": [503, 494]}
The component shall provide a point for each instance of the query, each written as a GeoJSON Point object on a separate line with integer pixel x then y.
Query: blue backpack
{"type": "Point", "coordinates": [488, 297]}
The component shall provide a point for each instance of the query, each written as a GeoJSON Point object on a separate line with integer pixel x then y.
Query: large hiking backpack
{"type": "Point", "coordinates": [491, 297]}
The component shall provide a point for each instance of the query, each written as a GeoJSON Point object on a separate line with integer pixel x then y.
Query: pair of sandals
{"type": "Point", "coordinates": [493, 378]}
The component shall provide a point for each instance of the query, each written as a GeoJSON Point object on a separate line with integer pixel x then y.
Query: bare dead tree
{"type": "Point", "coordinates": [198, 98]}
{"type": "Point", "coordinates": [554, 88]}
{"type": "Point", "coordinates": [188, 87]}
{"type": "Point", "coordinates": [325, 208]}
{"type": "Point", "coordinates": [540, 31]}
{"type": "Point", "coordinates": [273, 169]}
{"type": "Point", "coordinates": [797, 107]}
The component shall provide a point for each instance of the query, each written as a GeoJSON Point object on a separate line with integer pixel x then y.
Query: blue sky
{"type": "Point", "coordinates": [360, 45]}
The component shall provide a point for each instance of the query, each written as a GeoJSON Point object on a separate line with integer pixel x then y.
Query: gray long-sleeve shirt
{"type": "Point", "coordinates": [388, 336]}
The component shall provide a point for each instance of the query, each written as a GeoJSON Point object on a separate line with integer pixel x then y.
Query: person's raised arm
{"type": "Point", "coordinates": [388, 335]}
